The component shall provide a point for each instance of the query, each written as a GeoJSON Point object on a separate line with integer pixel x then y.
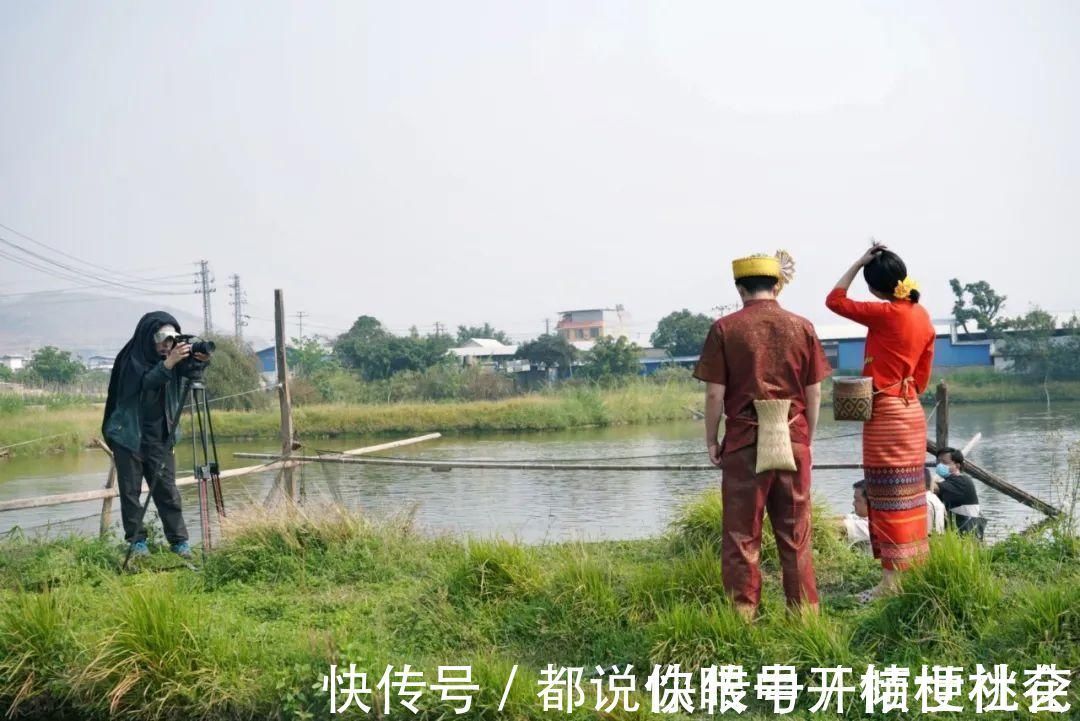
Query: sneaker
{"type": "Point", "coordinates": [139, 549]}
{"type": "Point", "coordinates": [182, 549]}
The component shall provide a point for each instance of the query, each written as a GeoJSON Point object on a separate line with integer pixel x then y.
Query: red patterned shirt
{"type": "Point", "coordinates": [899, 342]}
{"type": "Point", "coordinates": [762, 352]}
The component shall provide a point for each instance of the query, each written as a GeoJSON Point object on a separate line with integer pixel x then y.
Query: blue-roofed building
{"type": "Point", "coordinates": [845, 346]}
{"type": "Point", "coordinates": [653, 359]}
{"type": "Point", "coordinates": [268, 361]}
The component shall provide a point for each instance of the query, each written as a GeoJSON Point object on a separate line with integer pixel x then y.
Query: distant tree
{"type": "Point", "coordinates": [52, 365]}
{"type": "Point", "coordinates": [234, 368]}
{"type": "Point", "coordinates": [548, 351]}
{"type": "Point", "coordinates": [1037, 351]}
{"type": "Point", "coordinates": [611, 359]}
{"type": "Point", "coordinates": [464, 333]}
{"type": "Point", "coordinates": [983, 308]}
{"type": "Point", "coordinates": [6, 374]}
{"type": "Point", "coordinates": [307, 357]}
{"type": "Point", "coordinates": [377, 354]}
{"type": "Point", "coordinates": [364, 347]}
{"type": "Point", "coordinates": [1067, 351]}
{"type": "Point", "coordinates": [681, 333]}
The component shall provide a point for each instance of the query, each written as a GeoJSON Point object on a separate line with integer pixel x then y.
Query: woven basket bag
{"type": "Point", "coordinates": [774, 436]}
{"type": "Point", "coordinates": [853, 398]}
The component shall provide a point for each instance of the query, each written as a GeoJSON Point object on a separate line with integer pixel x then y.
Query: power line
{"type": "Point", "coordinates": [82, 285]}
{"type": "Point", "coordinates": [66, 272]}
{"type": "Point", "coordinates": [112, 271]}
{"type": "Point", "coordinates": [57, 291]}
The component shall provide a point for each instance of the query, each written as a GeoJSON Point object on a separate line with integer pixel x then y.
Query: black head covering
{"type": "Point", "coordinates": [135, 359]}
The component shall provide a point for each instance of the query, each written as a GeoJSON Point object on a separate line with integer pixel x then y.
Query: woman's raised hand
{"type": "Point", "coordinates": [870, 254]}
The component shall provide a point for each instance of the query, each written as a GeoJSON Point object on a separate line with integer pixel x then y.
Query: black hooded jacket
{"type": "Point", "coordinates": [139, 368]}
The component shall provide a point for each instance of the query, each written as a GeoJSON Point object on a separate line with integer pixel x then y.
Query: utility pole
{"type": "Point", "coordinates": [204, 284]}
{"type": "Point", "coordinates": [438, 329]}
{"type": "Point", "coordinates": [300, 317]}
{"type": "Point", "coordinates": [238, 300]}
{"type": "Point", "coordinates": [284, 397]}
{"type": "Point", "coordinates": [547, 326]}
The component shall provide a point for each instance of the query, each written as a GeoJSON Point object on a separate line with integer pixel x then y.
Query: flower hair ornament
{"type": "Point", "coordinates": [787, 268]}
{"type": "Point", "coordinates": [904, 288]}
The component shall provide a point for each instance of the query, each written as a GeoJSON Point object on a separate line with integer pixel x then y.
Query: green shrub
{"type": "Point", "coordinates": [493, 569]}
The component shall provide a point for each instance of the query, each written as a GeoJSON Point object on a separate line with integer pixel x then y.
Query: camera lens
{"type": "Point", "coordinates": [205, 347]}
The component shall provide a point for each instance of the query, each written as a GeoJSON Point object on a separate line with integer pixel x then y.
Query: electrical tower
{"type": "Point", "coordinates": [721, 310]}
{"type": "Point", "coordinates": [300, 319]}
{"type": "Point", "coordinates": [239, 298]}
{"type": "Point", "coordinates": [204, 284]}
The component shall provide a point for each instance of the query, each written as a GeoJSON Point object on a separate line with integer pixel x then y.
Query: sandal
{"type": "Point", "coordinates": [873, 594]}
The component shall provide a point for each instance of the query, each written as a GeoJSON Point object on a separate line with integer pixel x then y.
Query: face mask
{"type": "Point", "coordinates": [942, 470]}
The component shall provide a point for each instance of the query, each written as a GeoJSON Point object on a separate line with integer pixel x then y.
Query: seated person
{"type": "Point", "coordinates": [935, 509]}
{"type": "Point", "coordinates": [857, 524]}
{"type": "Point", "coordinates": [957, 493]}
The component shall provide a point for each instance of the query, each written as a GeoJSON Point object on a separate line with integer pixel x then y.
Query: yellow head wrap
{"type": "Point", "coordinates": [904, 288]}
{"type": "Point", "coordinates": [780, 266]}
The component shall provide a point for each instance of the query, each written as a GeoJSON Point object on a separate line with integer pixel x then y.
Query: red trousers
{"type": "Point", "coordinates": [786, 497]}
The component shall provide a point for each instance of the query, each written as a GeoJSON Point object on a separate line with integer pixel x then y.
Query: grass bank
{"type": "Point", "coordinates": [250, 636]}
{"type": "Point", "coordinates": [66, 426]}
{"type": "Point", "coordinates": [71, 428]}
{"type": "Point", "coordinates": [990, 386]}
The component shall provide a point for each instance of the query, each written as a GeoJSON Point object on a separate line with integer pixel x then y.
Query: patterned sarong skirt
{"type": "Point", "coordinates": [894, 458]}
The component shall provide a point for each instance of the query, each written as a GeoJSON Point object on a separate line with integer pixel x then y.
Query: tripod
{"type": "Point", "coordinates": [204, 457]}
{"type": "Point", "coordinates": [208, 471]}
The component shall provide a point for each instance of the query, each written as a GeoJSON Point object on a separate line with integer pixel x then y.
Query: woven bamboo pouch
{"type": "Point", "coordinates": [774, 436]}
{"type": "Point", "coordinates": [853, 398]}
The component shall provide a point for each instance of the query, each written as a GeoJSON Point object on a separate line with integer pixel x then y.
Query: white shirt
{"type": "Point", "coordinates": [858, 529]}
{"type": "Point", "coordinates": [935, 514]}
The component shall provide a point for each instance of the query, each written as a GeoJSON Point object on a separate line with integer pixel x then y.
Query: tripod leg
{"type": "Point", "coordinates": [198, 399]}
{"type": "Point", "coordinates": [204, 514]}
{"type": "Point", "coordinates": [215, 468]}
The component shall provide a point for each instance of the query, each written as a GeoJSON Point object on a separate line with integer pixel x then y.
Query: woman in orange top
{"type": "Point", "coordinates": [899, 354]}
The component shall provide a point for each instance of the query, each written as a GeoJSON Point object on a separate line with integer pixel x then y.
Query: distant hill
{"type": "Point", "coordinates": [83, 323]}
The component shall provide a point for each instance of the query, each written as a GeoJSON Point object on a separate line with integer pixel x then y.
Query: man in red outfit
{"type": "Point", "coordinates": [763, 353]}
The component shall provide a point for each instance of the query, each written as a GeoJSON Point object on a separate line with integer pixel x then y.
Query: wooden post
{"type": "Point", "coordinates": [110, 481]}
{"type": "Point", "coordinates": [283, 389]}
{"type": "Point", "coordinates": [942, 435]}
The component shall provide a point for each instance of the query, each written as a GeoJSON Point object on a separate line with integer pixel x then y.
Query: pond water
{"type": "Point", "coordinates": [1025, 444]}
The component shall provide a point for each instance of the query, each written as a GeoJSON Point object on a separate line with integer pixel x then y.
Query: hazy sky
{"type": "Point", "coordinates": [501, 161]}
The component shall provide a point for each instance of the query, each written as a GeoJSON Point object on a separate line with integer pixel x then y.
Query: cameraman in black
{"type": "Point", "coordinates": [146, 395]}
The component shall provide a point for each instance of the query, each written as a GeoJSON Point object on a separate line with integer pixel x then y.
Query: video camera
{"type": "Point", "coordinates": [191, 367]}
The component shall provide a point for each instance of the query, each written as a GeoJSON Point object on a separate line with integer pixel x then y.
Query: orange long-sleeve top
{"type": "Point", "coordinates": [899, 341]}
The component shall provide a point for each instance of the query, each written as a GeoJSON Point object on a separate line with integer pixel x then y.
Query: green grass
{"type": "Point", "coordinates": [287, 594]}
